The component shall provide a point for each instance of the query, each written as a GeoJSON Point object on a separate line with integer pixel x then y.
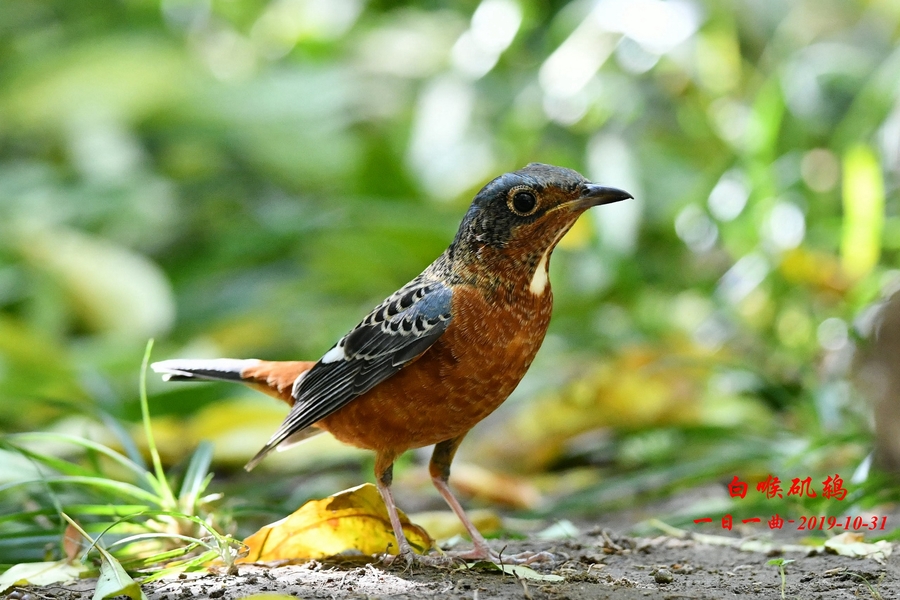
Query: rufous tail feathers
{"type": "Point", "coordinates": [275, 378]}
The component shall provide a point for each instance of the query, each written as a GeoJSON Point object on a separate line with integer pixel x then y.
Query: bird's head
{"type": "Point", "coordinates": [518, 218]}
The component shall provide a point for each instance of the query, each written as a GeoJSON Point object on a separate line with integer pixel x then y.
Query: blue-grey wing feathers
{"type": "Point", "coordinates": [399, 330]}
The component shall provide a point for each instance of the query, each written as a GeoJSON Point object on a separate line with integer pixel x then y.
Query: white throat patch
{"type": "Point", "coordinates": [540, 278]}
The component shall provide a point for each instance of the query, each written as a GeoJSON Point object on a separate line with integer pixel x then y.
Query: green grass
{"type": "Point", "coordinates": [781, 563]}
{"type": "Point", "coordinates": [146, 520]}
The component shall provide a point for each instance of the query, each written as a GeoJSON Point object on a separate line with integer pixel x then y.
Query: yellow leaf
{"type": "Point", "coordinates": [641, 386]}
{"type": "Point", "coordinates": [444, 524]}
{"type": "Point", "coordinates": [351, 521]}
{"type": "Point", "coordinates": [496, 488]}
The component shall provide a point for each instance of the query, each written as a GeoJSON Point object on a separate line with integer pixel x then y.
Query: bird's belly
{"type": "Point", "coordinates": [455, 384]}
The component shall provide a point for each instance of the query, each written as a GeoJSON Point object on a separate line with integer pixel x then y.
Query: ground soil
{"type": "Point", "coordinates": [599, 564]}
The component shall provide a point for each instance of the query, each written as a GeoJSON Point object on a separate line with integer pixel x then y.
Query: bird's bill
{"type": "Point", "coordinates": [595, 195]}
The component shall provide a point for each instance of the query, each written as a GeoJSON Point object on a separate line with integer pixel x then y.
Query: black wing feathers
{"type": "Point", "coordinates": [399, 329]}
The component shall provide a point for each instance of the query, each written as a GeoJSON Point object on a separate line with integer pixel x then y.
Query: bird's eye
{"type": "Point", "coordinates": [523, 203]}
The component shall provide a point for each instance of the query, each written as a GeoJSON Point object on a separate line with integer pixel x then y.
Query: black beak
{"type": "Point", "coordinates": [595, 195]}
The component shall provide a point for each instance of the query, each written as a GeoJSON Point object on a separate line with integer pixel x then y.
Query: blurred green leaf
{"type": "Point", "coordinates": [118, 77]}
{"type": "Point", "coordinates": [112, 289]}
{"type": "Point", "coordinates": [863, 200]}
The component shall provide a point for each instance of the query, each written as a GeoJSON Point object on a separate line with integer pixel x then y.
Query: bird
{"type": "Point", "coordinates": [441, 353]}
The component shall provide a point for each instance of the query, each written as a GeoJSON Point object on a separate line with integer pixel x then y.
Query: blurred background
{"type": "Point", "coordinates": [249, 177]}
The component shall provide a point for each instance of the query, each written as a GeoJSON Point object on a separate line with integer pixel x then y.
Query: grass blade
{"type": "Point", "coordinates": [113, 581]}
{"type": "Point", "coordinates": [168, 499]}
{"type": "Point", "coordinates": [125, 489]}
{"type": "Point", "coordinates": [102, 510]}
{"type": "Point", "coordinates": [189, 565]}
{"type": "Point", "coordinates": [120, 459]}
{"type": "Point", "coordinates": [131, 449]}
{"type": "Point", "coordinates": [196, 478]}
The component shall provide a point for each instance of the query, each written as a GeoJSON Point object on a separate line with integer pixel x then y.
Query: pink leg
{"type": "Point", "coordinates": [482, 550]}
{"type": "Point", "coordinates": [384, 468]}
{"type": "Point", "coordinates": [383, 481]}
{"type": "Point", "coordinates": [440, 474]}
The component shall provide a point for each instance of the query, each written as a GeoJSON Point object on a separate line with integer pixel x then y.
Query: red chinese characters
{"type": "Point", "coordinates": [801, 487]}
{"type": "Point", "coordinates": [771, 487]}
{"type": "Point", "coordinates": [833, 487]}
{"type": "Point", "coordinates": [737, 488]}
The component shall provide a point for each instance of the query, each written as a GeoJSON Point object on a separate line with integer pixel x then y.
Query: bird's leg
{"type": "Point", "coordinates": [384, 474]}
{"type": "Point", "coordinates": [440, 474]}
{"type": "Point", "coordinates": [439, 468]}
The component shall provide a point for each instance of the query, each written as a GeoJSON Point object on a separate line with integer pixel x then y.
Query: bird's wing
{"type": "Point", "coordinates": [399, 330]}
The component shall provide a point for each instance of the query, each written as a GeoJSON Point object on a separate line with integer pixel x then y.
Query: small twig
{"type": "Point", "coordinates": [500, 558]}
{"type": "Point", "coordinates": [609, 543]}
{"type": "Point", "coordinates": [525, 588]}
{"type": "Point", "coordinates": [25, 592]}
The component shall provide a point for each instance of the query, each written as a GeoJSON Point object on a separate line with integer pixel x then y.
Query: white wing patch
{"type": "Point", "coordinates": [335, 354]}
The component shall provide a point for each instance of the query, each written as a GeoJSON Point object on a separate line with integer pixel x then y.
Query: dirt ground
{"type": "Point", "coordinates": [598, 565]}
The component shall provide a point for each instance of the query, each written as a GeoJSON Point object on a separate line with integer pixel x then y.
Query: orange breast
{"type": "Point", "coordinates": [461, 379]}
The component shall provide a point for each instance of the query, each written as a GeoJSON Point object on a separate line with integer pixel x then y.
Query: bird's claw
{"type": "Point", "coordinates": [448, 559]}
{"type": "Point", "coordinates": [523, 558]}
{"type": "Point", "coordinates": [528, 558]}
{"type": "Point", "coordinates": [410, 559]}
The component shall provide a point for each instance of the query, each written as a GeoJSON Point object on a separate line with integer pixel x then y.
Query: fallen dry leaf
{"type": "Point", "coordinates": [350, 522]}
{"type": "Point", "coordinates": [71, 543]}
{"type": "Point", "coordinates": [640, 386]}
{"type": "Point", "coordinates": [237, 428]}
{"type": "Point", "coordinates": [444, 524]}
{"type": "Point", "coordinates": [40, 573]}
{"type": "Point", "coordinates": [496, 488]}
{"type": "Point", "coordinates": [851, 544]}
{"type": "Point", "coordinates": [519, 571]}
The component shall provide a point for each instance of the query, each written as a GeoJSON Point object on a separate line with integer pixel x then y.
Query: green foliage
{"type": "Point", "coordinates": [153, 531]}
{"type": "Point", "coordinates": [247, 178]}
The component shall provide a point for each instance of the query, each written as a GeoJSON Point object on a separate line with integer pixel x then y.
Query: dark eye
{"type": "Point", "coordinates": [523, 203]}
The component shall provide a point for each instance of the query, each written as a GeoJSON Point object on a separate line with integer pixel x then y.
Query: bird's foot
{"type": "Point", "coordinates": [410, 559]}
{"type": "Point", "coordinates": [487, 553]}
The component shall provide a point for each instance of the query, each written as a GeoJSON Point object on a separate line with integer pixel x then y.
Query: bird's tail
{"type": "Point", "coordinates": [275, 378]}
